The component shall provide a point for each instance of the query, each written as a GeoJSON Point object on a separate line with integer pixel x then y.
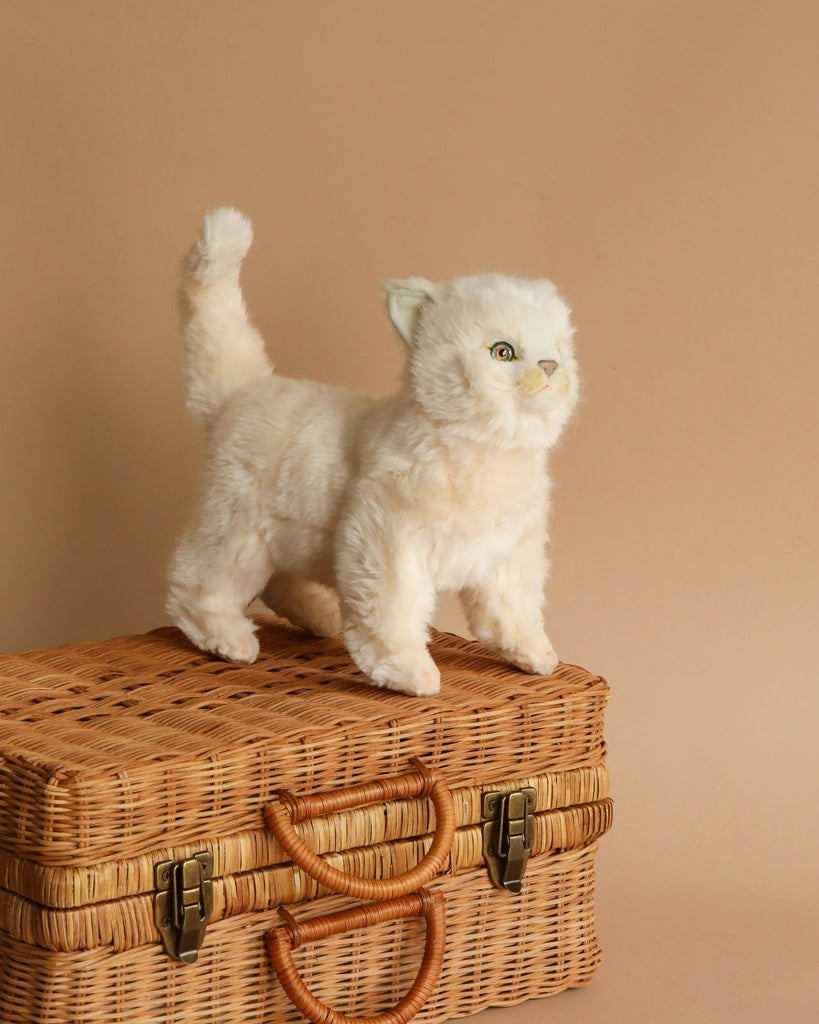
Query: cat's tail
{"type": "Point", "coordinates": [224, 353]}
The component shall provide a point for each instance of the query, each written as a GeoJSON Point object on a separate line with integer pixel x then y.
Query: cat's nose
{"type": "Point", "coordinates": [548, 366]}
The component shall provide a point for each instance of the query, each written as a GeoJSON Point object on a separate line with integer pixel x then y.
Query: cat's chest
{"type": "Point", "coordinates": [474, 494]}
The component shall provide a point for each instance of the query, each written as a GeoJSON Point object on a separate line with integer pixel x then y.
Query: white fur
{"type": "Point", "coordinates": [352, 512]}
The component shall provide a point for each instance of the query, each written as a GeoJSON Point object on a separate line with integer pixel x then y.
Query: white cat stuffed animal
{"type": "Point", "coordinates": [352, 512]}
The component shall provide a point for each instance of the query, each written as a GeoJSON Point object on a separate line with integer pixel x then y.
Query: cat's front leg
{"type": "Point", "coordinates": [501, 618]}
{"type": "Point", "coordinates": [387, 601]}
{"type": "Point", "coordinates": [504, 610]}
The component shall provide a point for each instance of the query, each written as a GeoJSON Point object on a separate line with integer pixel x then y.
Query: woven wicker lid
{"type": "Point", "coordinates": [110, 749]}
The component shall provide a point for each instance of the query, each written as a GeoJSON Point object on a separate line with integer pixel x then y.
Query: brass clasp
{"type": "Point", "coordinates": [508, 834]}
{"type": "Point", "coordinates": [182, 905]}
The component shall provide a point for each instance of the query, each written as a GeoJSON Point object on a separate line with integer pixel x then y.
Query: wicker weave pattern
{"type": "Point", "coordinates": [105, 754]}
{"type": "Point", "coordinates": [116, 756]}
{"type": "Point", "coordinates": [58, 887]}
{"type": "Point", "coordinates": [129, 923]}
{"type": "Point", "coordinates": [500, 950]}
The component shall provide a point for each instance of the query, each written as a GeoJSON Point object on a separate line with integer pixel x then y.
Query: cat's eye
{"type": "Point", "coordinates": [502, 351]}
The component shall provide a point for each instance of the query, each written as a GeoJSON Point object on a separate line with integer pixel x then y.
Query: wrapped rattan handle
{"type": "Point", "coordinates": [287, 937]}
{"type": "Point", "coordinates": [286, 809]}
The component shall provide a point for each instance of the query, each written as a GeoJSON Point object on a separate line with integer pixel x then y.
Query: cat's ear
{"type": "Point", "coordinates": [404, 302]}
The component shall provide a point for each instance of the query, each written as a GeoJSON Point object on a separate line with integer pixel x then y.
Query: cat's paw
{"type": "Point", "coordinates": [228, 636]}
{"type": "Point", "coordinates": [538, 658]}
{"type": "Point", "coordinates": [307, 604]}
{"type": "Point", "coordinates": [412, 672]}
{"type": "Point", "coordinates": [321, 613]}
{"type": "Point", "coordinates": [242, 646]}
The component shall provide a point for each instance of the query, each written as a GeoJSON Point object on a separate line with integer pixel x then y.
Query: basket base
{"type": "Point", "coordinates": [501, 949]}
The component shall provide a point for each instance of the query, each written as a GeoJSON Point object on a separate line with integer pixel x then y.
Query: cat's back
{"type": "Point", "coordinates": [279, 416]}
{"type": "Point", "coordinates": [295, 442]}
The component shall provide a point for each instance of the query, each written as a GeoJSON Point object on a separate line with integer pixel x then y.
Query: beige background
{"type": "Point", "coordinates": [659, 161]}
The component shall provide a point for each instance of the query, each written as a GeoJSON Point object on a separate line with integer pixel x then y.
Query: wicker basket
{"type": "Point", "coordinates": [291, 784]}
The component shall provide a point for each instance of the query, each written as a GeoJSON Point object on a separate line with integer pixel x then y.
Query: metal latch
{"type": "Point", "coordinates": [508, 834]}
{"type": "Point", "coordinates": [183, 904]}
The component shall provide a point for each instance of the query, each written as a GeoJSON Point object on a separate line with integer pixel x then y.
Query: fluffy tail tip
{"type": "Point", "coordinates": [226, 237]}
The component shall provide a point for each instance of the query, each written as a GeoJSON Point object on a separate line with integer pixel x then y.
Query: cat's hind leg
{"type": "Point", "coordinates": [210, 590]}
{"type": "Point", "coordinates": [305, 603]}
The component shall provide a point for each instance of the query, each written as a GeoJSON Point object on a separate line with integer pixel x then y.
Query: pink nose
{"type": "Point", "coordinates": [548, 366]}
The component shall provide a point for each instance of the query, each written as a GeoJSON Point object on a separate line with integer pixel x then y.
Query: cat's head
{"type": "Point", "coordinates": [489, 357]}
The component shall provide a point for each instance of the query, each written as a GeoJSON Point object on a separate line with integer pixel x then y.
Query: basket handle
{"type": "Point", "coordinates": [286, 809]}
{"type": "Point", "coordinates": [287, 937]}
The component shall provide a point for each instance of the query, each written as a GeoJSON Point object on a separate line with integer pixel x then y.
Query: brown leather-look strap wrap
{"type": "Point", "coordinates": [288, 936]}
{"type": "Point", "coordinates": [286, 809]}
